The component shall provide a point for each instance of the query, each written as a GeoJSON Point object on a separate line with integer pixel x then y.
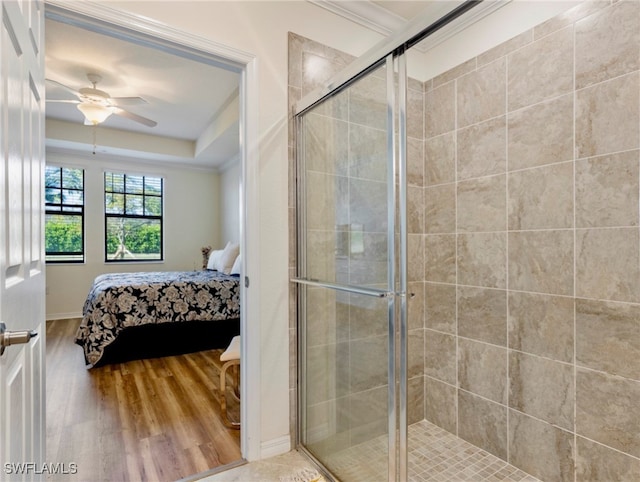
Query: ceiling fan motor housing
{"type": "Point", "coordinates": [96, 96]}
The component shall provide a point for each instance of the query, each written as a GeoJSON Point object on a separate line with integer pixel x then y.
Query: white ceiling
{"type": "Point", "coordinates": [195, 104]}
{"type": "Point", "coordinates": [185, 97]}
{"type": "Point", "coordinates": [405, 9]}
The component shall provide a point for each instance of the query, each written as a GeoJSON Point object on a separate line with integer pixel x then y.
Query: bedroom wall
{"type": "Point", "coordinates": [230, 202]}
{"type": "Point", "coordinates": [192, 205]}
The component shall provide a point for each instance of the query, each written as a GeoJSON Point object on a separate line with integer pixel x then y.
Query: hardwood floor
{"type": "Point", "coordinates": [145, 420]}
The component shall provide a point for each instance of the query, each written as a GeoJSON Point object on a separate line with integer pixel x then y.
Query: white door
{"type": "Point", "coordinates": [22, 281]}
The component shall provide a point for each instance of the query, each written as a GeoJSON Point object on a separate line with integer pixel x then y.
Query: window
{"type": "Point", "coordinates": [133, 217]}
{"type": "Point", "coordinates": [64, 215]}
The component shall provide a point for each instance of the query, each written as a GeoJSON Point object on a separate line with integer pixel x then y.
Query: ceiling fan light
{"type": "Point", "coordinates": [94, 113]}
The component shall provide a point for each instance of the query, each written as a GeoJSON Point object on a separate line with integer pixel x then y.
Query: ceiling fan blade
{"type": "Point", "coordinates": [134, 117]}
{"type": "Point", "coordinates": [128, 101]}
{"type": "Point", "coordinates": [63, 101]}
{"type": "Point", "coordinates": [65, 87]}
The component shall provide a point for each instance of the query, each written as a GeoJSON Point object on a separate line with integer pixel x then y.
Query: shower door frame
{"type": "Point", "coordinates": [395, 292]}
{"type": "Point", "coordinates": [391, 51]}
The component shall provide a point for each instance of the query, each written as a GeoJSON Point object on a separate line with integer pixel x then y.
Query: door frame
{"type": "Point", "coordinates": [136, 28]}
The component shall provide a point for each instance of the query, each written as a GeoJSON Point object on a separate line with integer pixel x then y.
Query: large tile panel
{"type": "Point", "coordinates": [607, 190]}
{"type": "Point", "coordinates": [608, 44]}
{"type": "Point", "coordinates": [598, 462]}
{"type": "Point", "coordinates": [481, 204]}
{"type": "Point", "coordinates": [541, 261]}
{"type": "Point", "coordinates": [440, 159]}
{"type": "Point", "coordinates": [608, 337]}
{"type": "Point", "coordinates": [483, 423]}
{"type": "Point", "coordinates": [541, 198]}
{"type": "Point", "coordinates": [482, 314]}
{"type": "Point", "coordinates": [482, 259]}
{"type": "Point", "coordinates": [607, 116]}
{"type": "Point", "coordinates": [607, 410]}
{"type": "Point", "coordinates": [481, 94]}
{"type": "Point", "coordinates": [481, 149]}
{"type": "Point", "coordinates": [440, 356]}
{"type": "Point", "coordinates": [608, 264]}
{"type": "Point", "coordinates": [482, 369]}
{"type": "Point", "coordinates": [541, 134]}
{"type": "Point", "coordinates": [541, 325]}
{"type": "Point", "coordinates": [541, 388]}
{"type": "Point", "coordinates": [540, 449]}
{"type": "Point", "coordinates": [541, 70]}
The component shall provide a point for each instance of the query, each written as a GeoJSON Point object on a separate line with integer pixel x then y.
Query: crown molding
{"type": "Point", "coordinates": [381, 20]}
{"type": "Point", "coordinates": [365, 13]}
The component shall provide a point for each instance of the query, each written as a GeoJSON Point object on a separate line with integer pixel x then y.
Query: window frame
{"type": "Point", "coordinates": [124, 215]}
{"type": "Point", "coordinates": [61, 211]}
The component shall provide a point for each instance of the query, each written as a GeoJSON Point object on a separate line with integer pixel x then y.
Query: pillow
{"type": "Point", "coordinates": [213, 259]}
{"type": "Point", "coordinates": [237, 266]}
{"type": "Point", "coordinates": [227, 258]}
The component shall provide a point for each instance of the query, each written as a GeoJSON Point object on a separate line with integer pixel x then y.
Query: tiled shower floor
{"type": "Point", "coordinates": [434, 455]}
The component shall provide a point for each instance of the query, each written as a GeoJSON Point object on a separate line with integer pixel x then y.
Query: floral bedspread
{"type": "Point", "coordinates": [120, 300]}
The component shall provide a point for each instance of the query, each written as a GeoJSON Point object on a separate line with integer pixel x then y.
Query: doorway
{"type": "Point", "coordinates": [145, 32]}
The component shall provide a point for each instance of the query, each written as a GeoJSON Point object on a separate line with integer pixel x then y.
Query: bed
{"type": "Point", "coordinates": [140, 315]}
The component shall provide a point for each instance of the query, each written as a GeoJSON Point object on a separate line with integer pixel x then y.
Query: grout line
{"type": "Point", "coordinates": [506, 264]}
{"type": "Point", "coordinates": [574, 449]}
{"type": "Point", "coordinates": [455, 240]}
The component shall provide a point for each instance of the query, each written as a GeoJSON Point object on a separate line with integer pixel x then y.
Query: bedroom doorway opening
{"type": "Point", "coordinates": [234, 175]}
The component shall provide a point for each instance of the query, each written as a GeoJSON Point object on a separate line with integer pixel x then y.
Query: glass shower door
{"type": "Point", "coordinates": [347, 279]}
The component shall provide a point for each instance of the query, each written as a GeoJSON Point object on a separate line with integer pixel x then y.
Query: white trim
{"type": "Point", "coordinates": [99, 157]}
{"type": "Point", "coordinates": [381, 20]}
{"type": "Point", "coordinates": [153, 28]}
{"type": "Point", "coordinates": [365, 13]}
{"type": "Point", "coordinates": [251, 381]}
{"type": "Point", "coordinates": [228, 163]}
{"type": "Point", "coordinates": [476, 14]}
{"type": "Point", "coordinates": [245, 63]}
{"type": "Point", "coordinates": [276, 446]}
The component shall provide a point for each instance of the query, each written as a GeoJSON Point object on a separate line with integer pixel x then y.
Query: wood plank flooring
{"type": "Point", "coordinates": [145, 420]}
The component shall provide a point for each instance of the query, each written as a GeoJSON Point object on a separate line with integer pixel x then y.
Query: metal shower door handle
{"type": "Point", "coordinates": [13, 337]}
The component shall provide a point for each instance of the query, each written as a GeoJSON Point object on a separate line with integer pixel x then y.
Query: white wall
{"type": "Point", "coordinates": [192, 219]}
{"type": "Point", "coordinates": [230, 202]}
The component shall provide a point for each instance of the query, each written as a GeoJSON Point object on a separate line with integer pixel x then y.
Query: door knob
{"type": "Point", "coordinates": [13, 337]}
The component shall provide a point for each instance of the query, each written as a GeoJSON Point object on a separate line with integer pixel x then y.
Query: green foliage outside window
{"type": "Point", "coordinates": [133, 210]}
{"type": "Point", "coordinates": [64, 219]}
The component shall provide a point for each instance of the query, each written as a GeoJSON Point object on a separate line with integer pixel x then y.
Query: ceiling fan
{"type": "Point", "coordinates": [97, 105]}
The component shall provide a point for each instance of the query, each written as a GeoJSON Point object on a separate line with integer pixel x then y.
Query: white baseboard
{"type": "Point", "coordinates": [62, 316]}
{"type": "Point", "coordinates": [276, 446]}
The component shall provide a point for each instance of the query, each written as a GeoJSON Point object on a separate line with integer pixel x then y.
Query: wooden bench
{"type": "Point", "coordinates": [231, 359]}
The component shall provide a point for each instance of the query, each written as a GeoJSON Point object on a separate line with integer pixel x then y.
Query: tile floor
{"type": "Point", "coordinates": [434, 455]}
{"type": "Point", "coordinates": [289, 467]}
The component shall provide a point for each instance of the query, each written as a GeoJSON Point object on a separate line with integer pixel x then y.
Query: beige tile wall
{"type": "Point", "coordinates": [524, 247]}
{"type": "Point", "coordinates": [532, 333]}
